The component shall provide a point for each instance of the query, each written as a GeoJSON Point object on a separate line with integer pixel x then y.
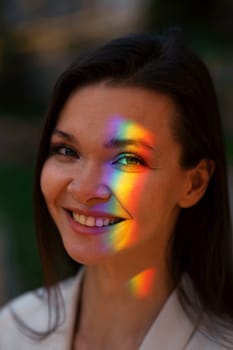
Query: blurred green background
{"type": "Point", "coordinates": [38, 39]}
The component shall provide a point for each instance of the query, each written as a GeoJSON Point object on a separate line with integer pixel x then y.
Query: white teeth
{"type": "Point", "coordinates": [99, 222]}
{"type": "Point", "coordinates": [82, 219]}
{"type": "Point", "coordinates": [106, 222]}
{"type": "Point", "coordinates": [75, 216]}
{"type": "Point", "coordinates": [92, 221]}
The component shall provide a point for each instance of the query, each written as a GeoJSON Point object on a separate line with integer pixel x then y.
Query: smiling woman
{"type": "Point", "coordinates": [131, 184]}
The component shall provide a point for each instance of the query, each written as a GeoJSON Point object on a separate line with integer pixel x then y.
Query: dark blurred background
{"type": "Point", "coordinates": [38, 39]}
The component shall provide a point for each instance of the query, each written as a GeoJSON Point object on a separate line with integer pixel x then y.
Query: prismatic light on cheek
{"type": "Point", "coordinates": [141, 285]}
{"type": "Point", "coordinates": [127, 185]}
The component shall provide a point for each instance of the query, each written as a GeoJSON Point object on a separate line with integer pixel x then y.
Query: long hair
{"type": "Point", "coordinates": [201, 246]}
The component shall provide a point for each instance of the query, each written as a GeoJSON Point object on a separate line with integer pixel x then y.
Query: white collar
{"type": "Point", "coordinates": [171, 328]}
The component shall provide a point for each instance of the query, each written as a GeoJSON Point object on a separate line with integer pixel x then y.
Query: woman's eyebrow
{"type": "Point", "coordinates": [64, 135]}
{"type": "Point", "coordinates": [119, 143]}
{"type": "Point", "coordinates": [112, 143]}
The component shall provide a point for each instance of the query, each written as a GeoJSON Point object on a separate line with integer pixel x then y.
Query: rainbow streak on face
{"type": "Point", "coordinates": [141, 284]}
{"type": "Point", "coordinates": [128, 185]}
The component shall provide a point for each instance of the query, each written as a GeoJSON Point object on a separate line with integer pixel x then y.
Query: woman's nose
{"type": "Point", "coordinates": [88, 187]}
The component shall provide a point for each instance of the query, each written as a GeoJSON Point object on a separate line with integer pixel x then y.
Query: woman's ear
{"type": "Point", "coordinates": [197, 182]}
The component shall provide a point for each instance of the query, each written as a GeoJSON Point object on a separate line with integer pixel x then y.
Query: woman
{"type": "Point", "coordinates": [131, 178]}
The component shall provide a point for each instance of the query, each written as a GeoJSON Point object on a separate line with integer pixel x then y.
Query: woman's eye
{"type": "Point", "coordinates": [129, 160]}
{"type": "Point", "coordinates": [63, 150]}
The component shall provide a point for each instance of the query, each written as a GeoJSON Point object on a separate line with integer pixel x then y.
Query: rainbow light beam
{"type": "Point", "coordinates": [127, 184]}
{"type": "Point", "coordinates": [141, 284]}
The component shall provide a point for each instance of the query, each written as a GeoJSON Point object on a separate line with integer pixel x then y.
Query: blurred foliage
{"type": "Point", "coordinates": [207, 22]}
{"type": "Point", "coordinates": [16, 209]}
{"type": "Point", "coordinates": [229, 148]}
{"type": "Point", "coordinates": [18, 97]}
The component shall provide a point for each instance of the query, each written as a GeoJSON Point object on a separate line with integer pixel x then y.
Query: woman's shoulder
{"type": "Point", "coordinates": [203, 341]}
{"type": "Point", "coordinates": [32, 302]}
{"type": "Point", "coordinates": [28, 309]}
{"type": "Point", "coordinates": [174, 329]}
{"type": "Point", "coordinates": [30, 312]}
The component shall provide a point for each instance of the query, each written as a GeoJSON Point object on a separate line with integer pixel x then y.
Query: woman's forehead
{"type": "Point", "coordinates": [119, 110]}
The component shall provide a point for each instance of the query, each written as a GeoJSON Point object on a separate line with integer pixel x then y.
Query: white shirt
{"type": "Point", "coordinates": [171, 330]}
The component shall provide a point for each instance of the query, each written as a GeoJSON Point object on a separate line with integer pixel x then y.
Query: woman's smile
{"type": "Point", "coordinates": [93, 219]}
{"type": "Point", "coordinates": [90, 225]}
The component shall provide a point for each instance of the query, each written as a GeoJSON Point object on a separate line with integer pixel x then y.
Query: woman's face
{"type": "Point", "coordinates": [112, 180]}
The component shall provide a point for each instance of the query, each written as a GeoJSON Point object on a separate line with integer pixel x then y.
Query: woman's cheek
{"type": "Point", "coordinates": [128, 187]}
{"type": "Point", "coordinates": [48, 180]}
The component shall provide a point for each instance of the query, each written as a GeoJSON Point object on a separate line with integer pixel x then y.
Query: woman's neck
{"type": "Point", "coordinates": [120, 301]}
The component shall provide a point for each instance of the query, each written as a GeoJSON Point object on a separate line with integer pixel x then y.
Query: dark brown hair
{"type": "Point", "coordinates": [202, 244]}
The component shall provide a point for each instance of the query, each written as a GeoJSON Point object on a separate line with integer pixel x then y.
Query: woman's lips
{"type": "Point", "coordinates": [91, 224]}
